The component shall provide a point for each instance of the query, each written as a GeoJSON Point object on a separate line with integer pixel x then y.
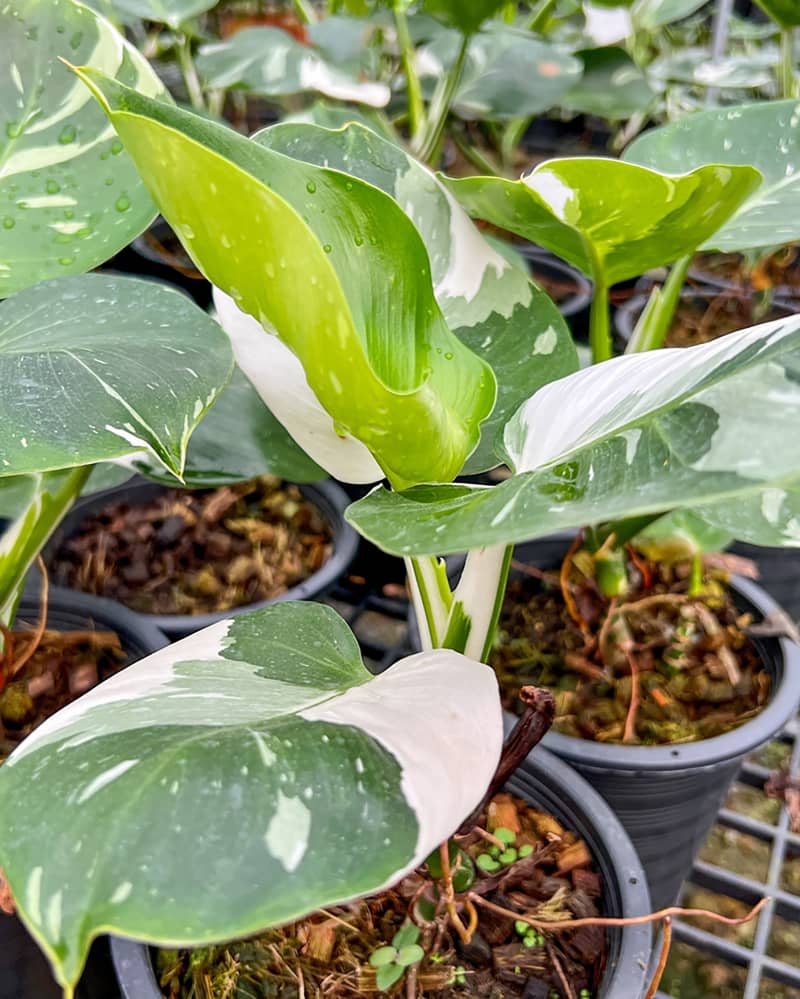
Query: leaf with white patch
{"type": "Point", "coordinates": [334, 267]}
{"type": "Point", "coordinates": [608, 217]}
{"type": "Point", "coordinates": [271, 62]}
{"type": "Point", "coordinates": [637, 435]}
{"type": "Point", "coordinates": [604, 26]}
{"type": "Point", "coordinates": [98, 367]}
{"type": "Point", "coordinates": [70, 197]}
{"type": "Point", "coordinates": [765, 135]}
{"type": "Point", "coordinates": [491, 306]}
{"type": "Point", "coordinates": [269, 773]}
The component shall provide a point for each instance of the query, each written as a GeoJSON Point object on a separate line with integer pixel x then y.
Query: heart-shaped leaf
{"type": "Point", "coordinates": [334, 266]}
{"type": "Point", "coordinates": [640, 434]}
{"type": "Point", "coordinates": [491, 305]}
{"type": "Point", "coordinates": [508, 73]}
{"type": "Point", "coordinates": [238, 779]}
{"type": "Point", "coordinates": [70, 196]}
{"type": "Point", "coordinates": [609, 217]}
{"type": "Point", "coordinates": [271, 62]}
{"type": "Point", "coordinates": [764, 135]}
{"type": "Point", "coordinates": [99, 367]}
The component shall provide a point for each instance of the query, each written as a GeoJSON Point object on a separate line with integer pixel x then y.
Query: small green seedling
{"type": "Point", "coordinates": [459, 976]}
{"type": "Point", "coordinates": [495, 858]}
{"type": "Point", "coordinates": [530, 936]}
{"type": "Point", "coordinates": [390, 962]}
{"type": "Point", "coordinates": [461, 865]}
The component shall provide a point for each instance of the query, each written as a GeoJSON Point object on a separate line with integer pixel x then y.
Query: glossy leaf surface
{"type": "Point", "coordinates": [786, 13]}
{"type": "Point", "coordinates": [240, 778]}
{"type": "Point", "coordinates": [640, 434]}
{"type": "Point", "coordinates": [334, 266]}
{"type": "Point", "coordinates": [766, 135]}
{"type": "Point", "coordinates": [609, 216]}
{"type": "Point", "coordinates": [70, 197]}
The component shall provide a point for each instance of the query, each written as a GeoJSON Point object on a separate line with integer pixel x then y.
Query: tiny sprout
{"type": "Point", "coordinates": [487, 863]}
{"type": "Point", "coordinates": [436, 958]}
{"type": "Point", "coordinates": [584, 994]}
{"type": "Point", "coordinates": [525, 851]}
{"type": "Point", "coordinates": [390, 962]}
{"type": "Point", "coordinates": [508, 856]}
{"type": "Point", "coordinates": [459, 976]}
{"type": "Point", "coordinates": [505, 835]}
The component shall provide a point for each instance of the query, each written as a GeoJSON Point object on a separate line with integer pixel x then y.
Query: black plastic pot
{"type": "Point", "coordinates": [667, 797]}
{"type": "Point", "coordinates": [24, 971]}
{"type": "Point", "coordinates": [554, 787]}
{"type": "Point", "coordinates": [326, 496]}
{"type": "Point", "coordinates": [627, 315]}
{"type": "Point", "coordinates": [548, 270]}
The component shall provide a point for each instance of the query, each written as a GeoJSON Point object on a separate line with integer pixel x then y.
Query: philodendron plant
{"type": "Point", "coordinates": [392, 341]}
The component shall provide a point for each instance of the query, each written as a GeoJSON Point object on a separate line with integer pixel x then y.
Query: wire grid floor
{"type": "Point", "coordinates": [380, 623]}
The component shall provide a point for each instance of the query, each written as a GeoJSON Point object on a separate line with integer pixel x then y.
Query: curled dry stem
{"type": "Point", "coordinates": [629, 735]}
{"type": "Point", "coordinates": [662, 960]}
{"type": "Point", "coordinates": [450, 895]}
{"type": "Point", "coordinates": [566, 590]}
{"type": "Point", "coordinates": [33, 645]}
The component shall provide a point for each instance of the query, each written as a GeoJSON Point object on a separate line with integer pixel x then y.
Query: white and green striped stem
{"type": "Point", "coordinates": [464, 619]}
{"type": "Point", "coordinates": [51, 495]}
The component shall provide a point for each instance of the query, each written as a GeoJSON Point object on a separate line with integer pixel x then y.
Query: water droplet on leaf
{"type": "Point", "coordinates": [67, 134]}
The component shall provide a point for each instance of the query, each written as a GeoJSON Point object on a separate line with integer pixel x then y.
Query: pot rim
{"type": "Point", "coordinates": [327, 496]}
{"type": "Point", "coordinates": [564, 792]}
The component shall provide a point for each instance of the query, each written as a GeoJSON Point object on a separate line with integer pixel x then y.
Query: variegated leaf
{"type": "Point", "coordinates": [490, 305]}
{"type": "Point", "coordinates": [98, 367]}
{"type": "Point", "coordinates": [271, 62]}
{"type": "Point", "coordinates": [240, 778]}
{"type": "Point", "coordinates": [765, 135]}
{"type": "Point", "coordinates": [334, 266]}
{"type": "Point", "coordinates": [70, 196]}
{"type": "Point", "coordinates": [608, 217]}
{"type": "Point", "coordinates": [640, 434]}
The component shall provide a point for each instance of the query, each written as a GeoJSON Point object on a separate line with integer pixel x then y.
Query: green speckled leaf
{"type": "Point", "coordinates": [70, 197]}
{"type": "Point", "coordinates": [765, 135]}
{"type": "Point", "coordinates": [247, 775]}
{"type": "Point", "coordinates": [640, 434]}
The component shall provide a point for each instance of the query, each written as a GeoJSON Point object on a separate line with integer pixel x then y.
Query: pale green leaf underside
{"type": "Point", "coordinates": [612, 85]}
{"type": "Point", "coordinates": [334, 266]}
{"type": "Point", "coordinates": [640, 434]}
{"type": "Point", "coordinates": [271, 62]}
{"type": "Point", "coordinates": [491, 306]}
{"type": "Point", "coordinates": [237, 779]}
{"type": "Point", "coordinates": [238, 440]}
{"type": "Point", "coordinates": [171, 12]}
{"type": "Point", "coordinates": [606, 216]}
{"type": "Point", "coordinates": [98, 367]}
{"type": "Point", "coordinates": [70, 197]}
{"type": "Point", "coordinates": [764, 135]}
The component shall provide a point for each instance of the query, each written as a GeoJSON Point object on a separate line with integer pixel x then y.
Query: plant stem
{"type": "Point", "coordinates": [599, 330]}
{"type": "Point", "coordinates": [52, 494]}
{"type": "Point", "coordinates": [787, 62]}
{"type": "Point", "coordinates": [189, 71]}
{"type": "Point", "coordinates": [655, 321]}
{"type": "Point", "coordinates": [304, 11]}
{"type": "Point", "coordinates": [475, 156]}
{"type": "Point", "coordinates": [431, 597]}
{"type": "Point", "coordinates": [512, 136]}
{"type": "Point", "coordinates": [441, 104]}
{"type": "Point", "coordinates": [416, 106]}
{"type": "Point", "coordinates": [542, 12]}
{"type": "Point", "coordinates": [696, 577]}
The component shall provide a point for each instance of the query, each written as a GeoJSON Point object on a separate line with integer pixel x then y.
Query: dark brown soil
{"type": "Point", "coordinates": [666, 668]}
{"type": "Point", "coordinates": [699, 319]}
{"type": "Point", "coordinates": [778, 270]}
{"type": "Point", "coordinates": [64, 666]}
{"type": "Point", "coordinates": [327, 955]}
{"type": "Point", "coordinates": [195, 552]}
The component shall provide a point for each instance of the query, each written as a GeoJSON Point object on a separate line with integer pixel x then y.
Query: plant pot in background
{"type": "Point", "coordinates": [731, 272]}
{"type": "Point", "coordinates": [569, 289]}
{"type": "Point", "coordinates": [554, 787]}
{"type": "Point", "coordinates": [327, 497]}
{"type": "Point", "coordinates": [24, 971]}
{"type": "Point", "coordinates": [667, 797]}
{"type": "Point", "coordinates": [712, 308]}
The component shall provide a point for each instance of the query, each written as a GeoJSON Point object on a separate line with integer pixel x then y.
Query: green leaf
{"type": "Point", "coordinates": [410, 954]}
{"type": "Point", "coordinates": [492, 307]}
{"type": "Point", "coordinates": [763, 135]}
{"type": "Point", "coordinates": [786, 13]}
{"type": "Point", "coordinates": [640, 434]}
{"type": "Point", "coordinates": [387, 975]}
{"type": "Point", "coordinates": [733, 72]}
{"type": "Point", "coordinates": [771, 517]}
{"type": "Point", "coordinates": [260, 752]}
{"type": "Point", "coordinates": [406, 936]}
{"type": "Point", "coordinates": [612, 85]}
{"type": "Point", "coordinates": [91, 374]}
{"type": "Point", "coordinates": [334, 266]}
{"type": "Point", "coordinates": [382, 956]}
{"type": "Point", "coordinates": [329, 115]}
{"type": "Point", "coordinates": [238, 440]}
{"type": "Point", "coordinates": [508, 74]}
{"type": "Point", "coordinates": [680, 535]}
{"type": "Point", "coordinates": [606, 216]}
{"type": "Point", "coordinates": [70, 197]}
{"type": "Point", "coordinates": [465, 15]}
{"type": "Point", "coordinates": [648, 15]}
{"type": "Point", "coordinates": [271, 62]}
{"type": "Point", "coordinates": [171, 12]}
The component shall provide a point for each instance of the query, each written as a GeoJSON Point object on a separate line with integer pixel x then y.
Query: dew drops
{"type": "Point", "coordinates": [67, 134]}
{"type": "Point", "coordinates": [66, 261]}
{"type": "Point", "coordinates": [104, 156]}
{"type": "Point", "coordinates": [8, 222]}
{"type": "Point", "coordinates": [123, 203]}
{"type": "Point", "coordinates": [116, 147]}
{"type": "Point", "coordinates": [13, 129]}
{"type": "Point", "coordinates": [52, 187]}
{"type": "Point", "coordinates": [32, 33]}
{"type": "Point", "coordinates": [108, 181]}
{"type": "Point", "coordinates": [185, 230]}
{"type": "Point", "coordinates": [359, 240]}
{"type": "Point", "coordinates": [327, 247]}
{"type": "Point", "coordinates": [448, 355]}
{"type": "Point", "coordinates": [76, 40]}
{"type": "Point", "coordinates": [311, 187]}
{"type": "Point", "coordinates": [69, 214]}
{"type": "Point", "coordinates": [349, 185]}
{"type": "Point", "coordinates": [282, 263]}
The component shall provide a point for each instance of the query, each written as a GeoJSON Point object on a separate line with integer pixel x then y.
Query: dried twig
{"type": "Point", "coordinates": [566, 590]}
{"type": "Point", "coordinates": [630, 719]}
{"type": "Point", "coordinates": [662, 960]}
{"type": "Point", "coordinates": [33, 645]}
{"type": "Point", "coordinates": [565, 985]}
{"type": "Point", "coordinates": [450, 895]}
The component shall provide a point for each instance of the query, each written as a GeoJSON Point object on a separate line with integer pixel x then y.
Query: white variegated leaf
{"type": "Point", "coordinates": [238, 779]}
